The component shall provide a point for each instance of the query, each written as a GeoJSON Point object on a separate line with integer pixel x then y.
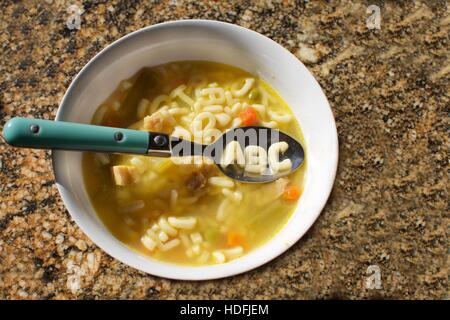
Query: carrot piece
{"type": "Point", "coordinates": [234, 239]}
{"type": "Point", "coordinates": [291, 193]}
{"type": "Point", "coordinates": [249, 116]}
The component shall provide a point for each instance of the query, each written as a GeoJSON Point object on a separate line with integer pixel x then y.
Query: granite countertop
{"type": "Point", "coordinates": [389, 91]}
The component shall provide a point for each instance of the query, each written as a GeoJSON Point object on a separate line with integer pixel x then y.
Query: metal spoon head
{"type": "Point", "coordinates": [260, 136]}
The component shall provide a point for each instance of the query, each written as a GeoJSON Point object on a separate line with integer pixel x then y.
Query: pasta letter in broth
{"type": "Point", "coordinates": [233, 155]}
{"type": "Point", "coordinates": [157, 102]}
{"type": "Point", "coordinates": [214, 96]}
{"type": "Point", "coordinates": [245, 88]}
{"type": "Point", "coordinates": [255, 159]}
{"type": "Point", "coordinates": [274, 152]}
{"type": "Point", "coordinates": [179, 92]}
{"type": "Point", "coordinates": [198, 123]}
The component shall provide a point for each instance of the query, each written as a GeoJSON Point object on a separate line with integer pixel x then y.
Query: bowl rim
{"type": "Point", "coordinates": [223, 270]}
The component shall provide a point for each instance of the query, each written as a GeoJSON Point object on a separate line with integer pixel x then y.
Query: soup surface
{"type": "Point", "coordinates": [185, 210]}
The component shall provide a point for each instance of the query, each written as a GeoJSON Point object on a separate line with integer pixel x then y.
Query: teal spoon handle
{"type": "Point", "coordinates": [47, 134]}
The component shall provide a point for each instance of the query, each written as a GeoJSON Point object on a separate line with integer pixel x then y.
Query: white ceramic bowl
{"type": "Point", "coordinates": [213, 41]}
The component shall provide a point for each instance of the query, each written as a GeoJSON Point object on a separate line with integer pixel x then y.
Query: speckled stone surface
{"type": "Point", "coordinates": [389, 91]}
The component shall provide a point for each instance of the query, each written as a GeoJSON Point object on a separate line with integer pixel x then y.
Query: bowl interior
{"type": "Point", "coordinates": [211, 41]}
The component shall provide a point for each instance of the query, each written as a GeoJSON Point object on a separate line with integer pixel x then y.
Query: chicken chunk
{"type": "Point", "coordinates": [196, 181]}
{"type": "Point", "coordinates": [159, 123]}
{"type": "Point", "coordinates": [124, 175]}
{"type": "Point", "coordinates": [198, 178]}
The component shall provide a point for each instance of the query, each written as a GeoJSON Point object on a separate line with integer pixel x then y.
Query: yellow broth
{"type": "Point", "coordinates": [252, 213]}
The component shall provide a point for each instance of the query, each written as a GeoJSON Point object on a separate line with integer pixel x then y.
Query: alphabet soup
{"type": "Point", "coordinates": [189, 212]}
